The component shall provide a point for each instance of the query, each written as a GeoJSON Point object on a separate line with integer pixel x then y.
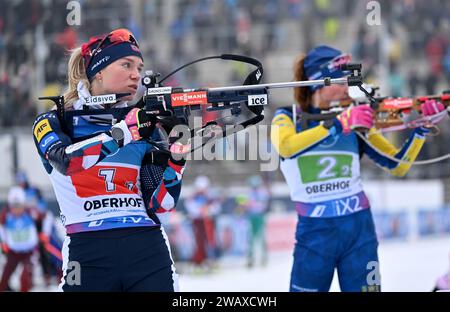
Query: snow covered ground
{"type": "Point", "coordinates": [405, 266]}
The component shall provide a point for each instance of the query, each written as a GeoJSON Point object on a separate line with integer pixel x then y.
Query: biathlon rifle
{"type": "Point", "coordinates": [166, 102]}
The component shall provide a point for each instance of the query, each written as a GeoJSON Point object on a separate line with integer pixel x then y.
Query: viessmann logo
{"type": "Point", "coordinates": [189, 98]}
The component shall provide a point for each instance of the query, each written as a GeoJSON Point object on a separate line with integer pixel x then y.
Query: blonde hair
{"type": "Point", "coordinates": [76, 73]}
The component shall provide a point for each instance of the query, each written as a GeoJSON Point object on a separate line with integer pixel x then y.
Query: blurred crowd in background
{"type": "Point", "coordinates": [411, 47]}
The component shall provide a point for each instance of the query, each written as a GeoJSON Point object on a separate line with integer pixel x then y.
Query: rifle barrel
{"type": "Point", "coordinates": [277, 85]}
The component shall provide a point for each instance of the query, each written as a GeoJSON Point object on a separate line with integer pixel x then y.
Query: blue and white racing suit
{"type": "Point", "coordinates": [98, 188]}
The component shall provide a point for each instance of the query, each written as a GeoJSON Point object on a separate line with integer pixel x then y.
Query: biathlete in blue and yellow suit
{"type": "Point", "coordinates": [321, 165]}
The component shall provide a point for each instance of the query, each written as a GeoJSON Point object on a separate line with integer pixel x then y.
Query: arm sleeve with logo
{"type": "Point", "coordinates": [289, 143]}
{"type": "Point", "coordinates": [167, 193]}
{"type": "Point", "coordinates": [62, 154]}
{"type": "Point", "coordinates": [408, 152]}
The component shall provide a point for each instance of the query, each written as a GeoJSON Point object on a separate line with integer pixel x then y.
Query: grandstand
{"type": "Point", "coordinates": [413, 39]}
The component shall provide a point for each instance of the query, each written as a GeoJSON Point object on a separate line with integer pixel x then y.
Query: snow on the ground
{"type": "Point", "coordinates": [405, 266]}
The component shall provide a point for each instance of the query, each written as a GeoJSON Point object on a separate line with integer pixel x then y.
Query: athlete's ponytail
{"type": "Point", "coordinates": [302, 95]}
{"type": "Point", "coordinates": [76, 73]}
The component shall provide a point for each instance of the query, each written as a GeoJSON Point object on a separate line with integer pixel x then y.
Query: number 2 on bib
{"type": "Point", "coordinates": [316, 168]}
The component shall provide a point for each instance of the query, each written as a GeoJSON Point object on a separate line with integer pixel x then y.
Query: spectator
{"type": "Point", "coordinates": [202, 208]}
{"type": "Point", "coordinates": [19, 238]}
{"type": "Point", "coordinates": [256, 207]}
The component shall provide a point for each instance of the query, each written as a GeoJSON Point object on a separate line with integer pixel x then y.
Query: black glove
{"type": "Point", "coordinates": [179, 136]}
{"type": "Point", "coordinates": [169, 122]}
{"type": "Point", "coordinates": [157, 157]}
{"type": "Point", "coordinates": [146, 122]}
{"type": "Point", "coordinates": [161, 158]}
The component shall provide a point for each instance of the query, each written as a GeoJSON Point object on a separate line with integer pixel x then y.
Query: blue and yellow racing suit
{"type": "Point", "coordinates": [321, 166]}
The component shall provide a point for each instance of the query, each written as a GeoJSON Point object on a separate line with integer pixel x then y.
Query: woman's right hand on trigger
{"type": "Point", "coordinates": [178, 133]}
{"type": "Point", "coordinates": [168, 123]}
{"type": "Point", "coordinates": [355, 117]}
{"type": "Point", "coordinates": [180, 143]}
